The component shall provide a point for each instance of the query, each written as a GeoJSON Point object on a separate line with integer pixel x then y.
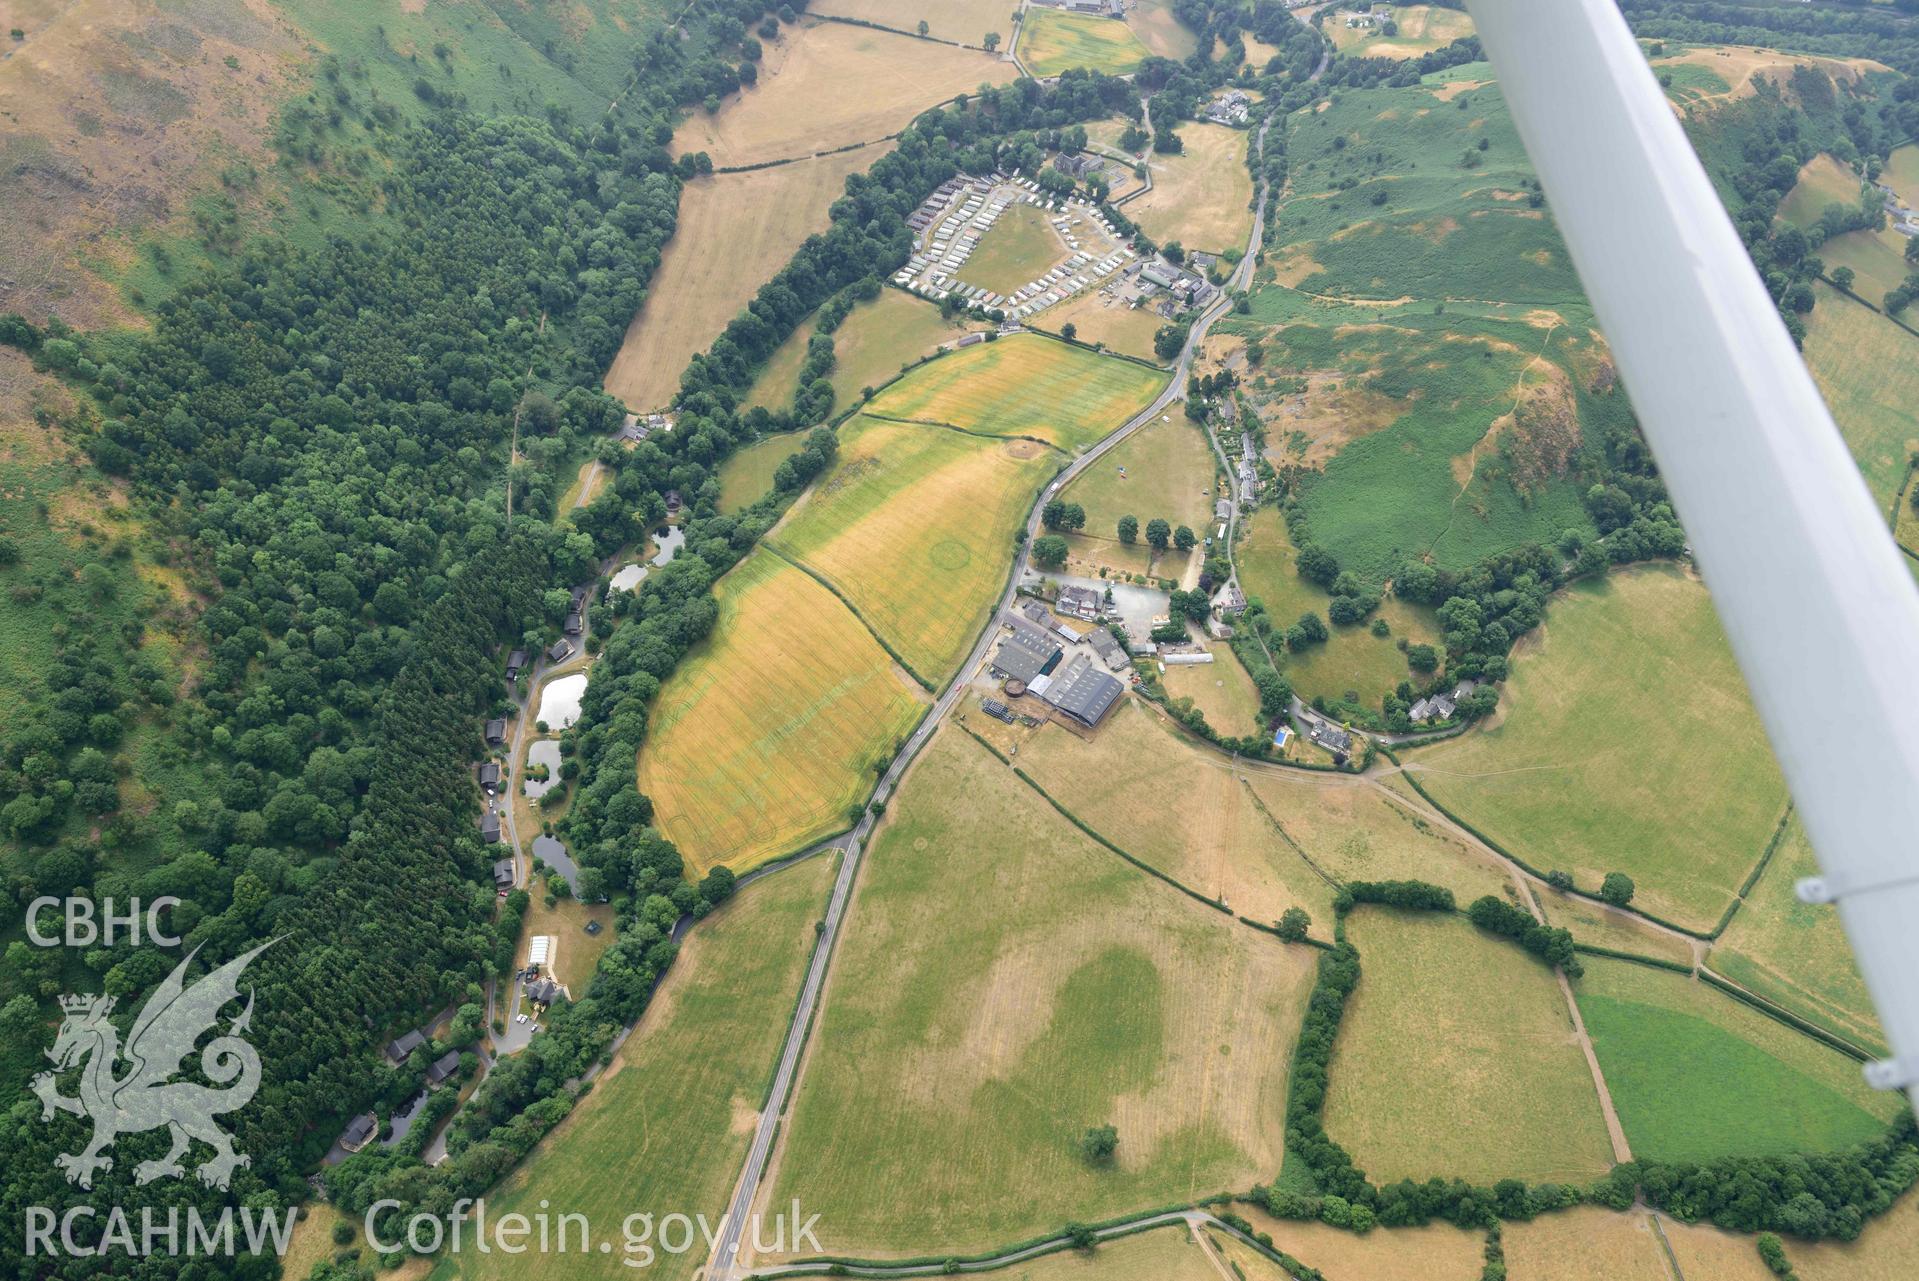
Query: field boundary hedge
{"type": "Point", "coordinates": [1759, 869]}
{"type": "Point", "coordinates": [1493, 844]}
{"type": "Point", "coordinates": [991, 1260]}
{"type": "Point", "coordinates": [964, 431]}
{"type": "Point", "coordinates": [1787, 1017]}
{"type": "Point", "coordinates": [853, 609]}
{"type": "Point", "coordinates": [1636, 958]}
{"type": "Point", "coordinates": [1137, 862]}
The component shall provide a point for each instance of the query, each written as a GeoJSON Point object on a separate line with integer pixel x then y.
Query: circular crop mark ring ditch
{"type": "Point", "coordinates": [950, 554]}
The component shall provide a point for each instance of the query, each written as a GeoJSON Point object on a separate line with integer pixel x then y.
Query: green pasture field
{"type": "Point", "coordinates": [1052, 41]}
{"type": "Point", "coordinates": [1443, 479]}
{"type": "Point", "coordinates": [1868, 370]}
{"type": "Point", "coordinates": [1169, 472]}
{"type": "Point", "coordinates": [772, 726]}
{"type": "Point", "coordinates": [1021, 247]}
{"type": "Point", "coordinates": [915, 525]}
{"type": "Point", "coordinates": [1003, 985]}
{"type": "Point", "coordinates": [1877, 259]}
{"type": "Point", "coordinates": [1902, 173]}
{"type": "Point", "coordinates": [747, 476]}
{"type": "Point", "coordinates": [1823, 181]}
{"type": "Point", "coordinates": [1796, 954]}
{"type": "Point", "coordinates": [1445, 230]}
{"type": "Point", "coordinates": [1695, 1075]}
{"type": "Point", "coordinates": [1457, 1058]}
{"type": "Point", "coordinates": [663, 1126]}
{"type": "Point", "coordinates": [1025, 385]}
{"type": "Point", "coordinates": [869, 347]}
{"type": "Point", "coordinates": [1625, 741]}
{"type": "Point", "coordinates": [1353, 660]}
{"type": "Point", "coordinates": [499, 57]}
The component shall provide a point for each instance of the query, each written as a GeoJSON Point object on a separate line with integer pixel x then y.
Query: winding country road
{"type": "Point", "coordinates": [726, 1246]}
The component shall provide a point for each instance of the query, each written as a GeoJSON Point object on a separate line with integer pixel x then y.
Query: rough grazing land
{"type": "Point", "coordinates": [825, 85]}
{"type": "Point", "coordinates": [871, 344]}
{"type": "Point", "coordinates": [747, 474]}
{"type": "Point", "coordinates": [1353, 658]}
{"type": "Point", "coordinates": [735, 231]}
{"type": "Point", "coordinates": [1585, 1242]}
{"type": "Point", "coordinates": [1888, 1250]}
{"type": "Point", "coordinates": [1169, 473]}
{"type": "Point", "coordinates": [1626, 741]}
{"type": "Point", "coordinates": [1003, 985]}
{"type": "Point", "coordinates": [1098, 319]}
{"type": "Point", "coordinates": [668, 1122]}
{"type": "Point", "coordinates": [1696, 1075]}
{"type": "Point", "coordinates": [1868, 370]}
{"type": "Point", "coordinates": [1437, 1252]}
{"type": "Point", "coordinates": [1026, 385]}
{"type": "Point", "coordinates": [1421, 29]}
{"type": "Point", "coordinates": [967, 21]}
{"type": "Point", "coordinates": [1796, 953]}
{"type": "Point", "coordinates": [1496, 1086]}
{"type": "Point", "coordinates": [1201, 196]}
{"type": "Point", "coordinates": [770, 729]}
{"type": "Point", "coordinates": [915, 525]}
{"type": "Point", "coordinates": [1221, 689]}
{"type": "Point", "coordinates": [1180, 810]}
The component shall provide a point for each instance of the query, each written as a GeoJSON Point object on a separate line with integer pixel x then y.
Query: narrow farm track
{"type": "Point", "coordinates": [722, 1262]}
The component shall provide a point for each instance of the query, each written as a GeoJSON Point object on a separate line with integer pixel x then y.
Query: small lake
{"type": "Point", "coordinates": [560, 701]}
{"type": "Point", "coordinates": [554, 855]}
{"type": "Point", "coordinates": [545, 752]}
{"type": "Point", "coordinates": [668, 544]}
{"type": "Point", "coordinates": [629, 577]}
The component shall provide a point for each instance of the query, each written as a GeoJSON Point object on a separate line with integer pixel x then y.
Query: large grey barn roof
{"type": "Point", "coordinates": [1023, 654]}
{"type": "Point", "coordinates": [1084, 692]}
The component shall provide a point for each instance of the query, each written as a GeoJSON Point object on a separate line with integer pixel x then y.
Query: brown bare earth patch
{"type": "Point", "coordinates": [111, 116]}
{"type": "Point", "coordinates": [1335, 409]}
{"type": "Point", "coordinates": [829, 85]}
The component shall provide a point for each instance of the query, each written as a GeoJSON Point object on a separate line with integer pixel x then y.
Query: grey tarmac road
{"type": "Point", "coordinates": [721, 1265]}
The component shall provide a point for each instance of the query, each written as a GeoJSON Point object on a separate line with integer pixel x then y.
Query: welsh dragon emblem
{"type": "Point", "coordinates": [144, 1097]}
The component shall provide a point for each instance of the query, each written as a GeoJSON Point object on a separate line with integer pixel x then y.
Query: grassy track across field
{"type": "Point", "coordinates": [1695, 1074]}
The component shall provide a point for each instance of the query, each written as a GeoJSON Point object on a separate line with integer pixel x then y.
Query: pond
{"type": "Point", "coordinates": [544, 752]}
{"type": "Point", "coordinates": [554, 855]}
{"type": "Point", "coordinates": [668, 541]}
{"type": "Point", "coordinates": [560, 701]}
{"type": "Point", "coordinates": [629, 577]}
{"type": "Point", "coordinates": [403, 1120]}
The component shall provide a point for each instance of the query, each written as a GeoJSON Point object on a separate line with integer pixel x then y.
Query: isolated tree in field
{"type": "Point", "coordinates": [1616, 889]}
{"type": "Point", "coordinates": [1293, 924]}
{"type": "Point", "coordinates": [1843, 277]}
{"type": "Point", "coordinates": [1422, 658]}
{"type": "Point", "coordinates": [1158, 534]}
{"type": "Point", "coordinates": [992, 41]}
{"type": "Point", "coordinates": [1053, 513]}
{"type": "Point", "coordinates": [924, 28]}
{"type": "Point", "coordinates": [1183, 539]}
{"type": "Point", "coordinates": [1074, 517]}
{"type": "Point", "coordinates": [1559, 880]}
{"type": "Point", "coordinates": [1099, 1144]}
{"type": "Point", "coordinates": [1129, 530]}
{"type": "Point", "coordinates": [1069, 331]}
{"type": "Point", "coordinates": [1049, 551]}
